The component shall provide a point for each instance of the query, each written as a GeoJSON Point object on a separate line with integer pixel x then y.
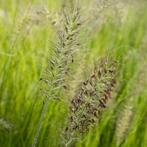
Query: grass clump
{"type": "Point", "coordinates": [82, 101]}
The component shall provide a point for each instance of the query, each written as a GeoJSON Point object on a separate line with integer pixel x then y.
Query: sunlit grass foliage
{"type": "Point", "coordinates": [73, 73]}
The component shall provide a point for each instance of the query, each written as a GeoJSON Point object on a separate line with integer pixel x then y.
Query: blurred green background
{"type": "Point", "coordinates": [25, 35]}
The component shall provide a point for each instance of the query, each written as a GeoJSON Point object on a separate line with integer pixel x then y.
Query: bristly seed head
{"type": "Point", "coordinates": [92, 97]}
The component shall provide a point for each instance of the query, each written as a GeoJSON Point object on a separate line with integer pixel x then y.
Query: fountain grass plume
{"type": "Point", "coordinates": [91, 99]}
{"type": "Point", "coordinates": [54, 79]}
